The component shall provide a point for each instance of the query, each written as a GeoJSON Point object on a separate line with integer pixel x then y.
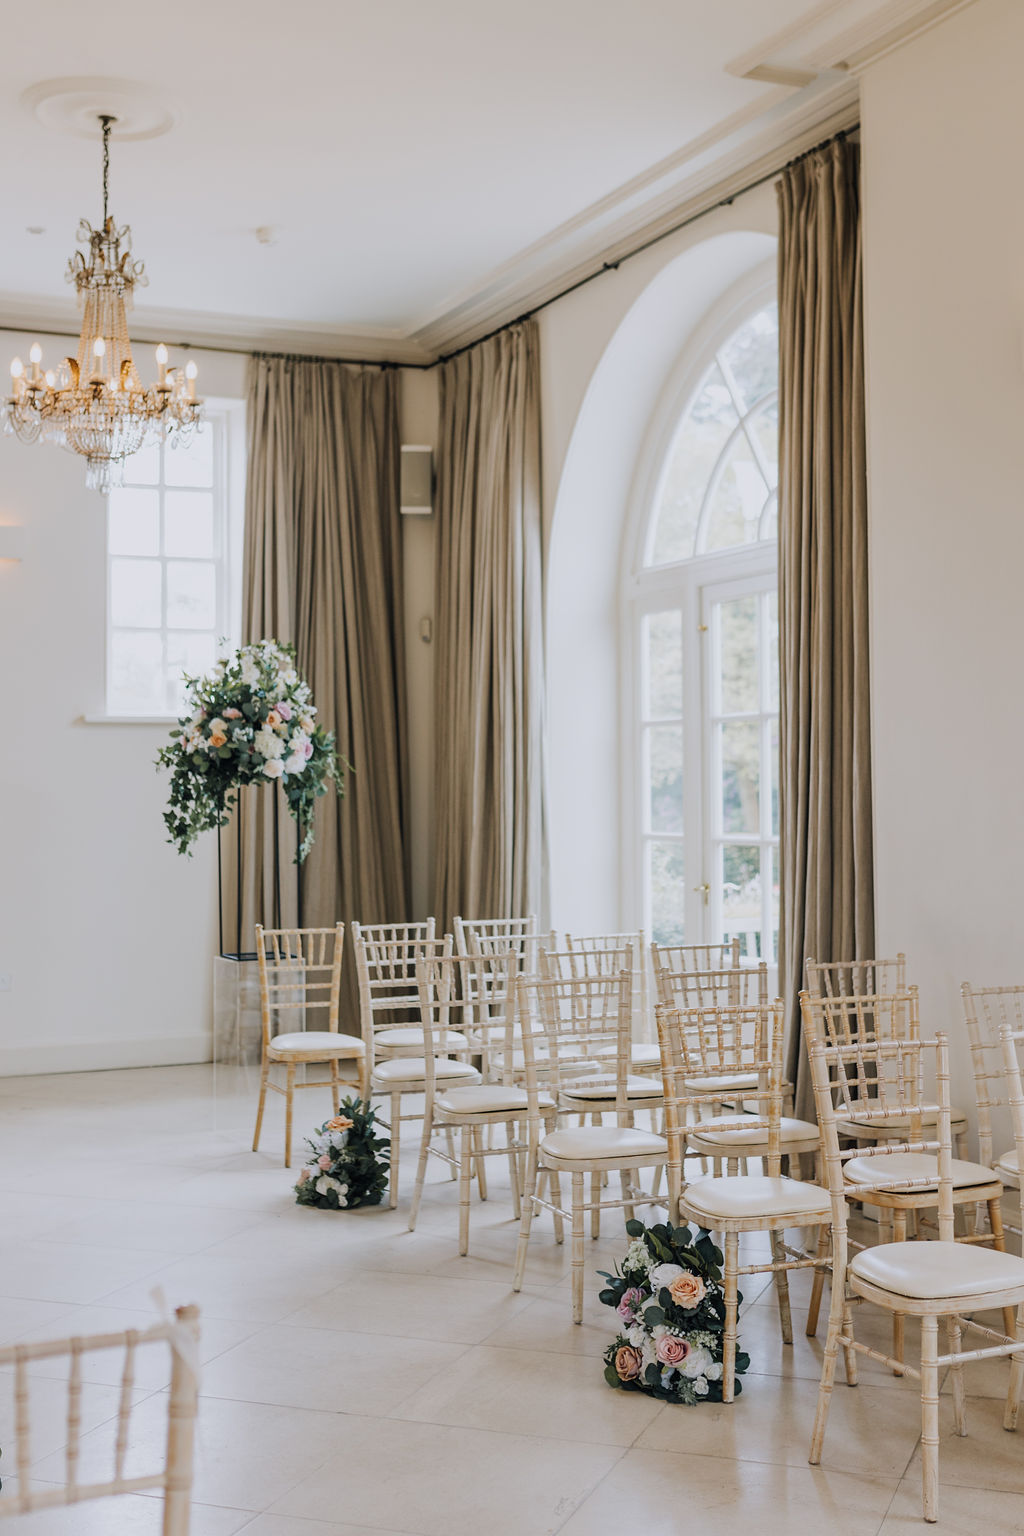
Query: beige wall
{"type": "Point", "coordinates": [943, 124]}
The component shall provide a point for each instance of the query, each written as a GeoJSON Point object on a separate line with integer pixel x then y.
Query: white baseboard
{"type": "Point", "coordinates": [105, 1055]}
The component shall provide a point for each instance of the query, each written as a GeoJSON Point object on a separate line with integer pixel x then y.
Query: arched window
{"type": "Point", "coordinates": [705, 636]}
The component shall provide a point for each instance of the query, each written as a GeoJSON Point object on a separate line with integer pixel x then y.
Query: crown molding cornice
{"type": "Point", "coordinates": [814, 66]}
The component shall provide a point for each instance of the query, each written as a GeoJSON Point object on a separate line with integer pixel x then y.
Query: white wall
{"type": "Point", "coordinates": [106, 933]}
{"type": "Point", "coordinates": [943, 122]}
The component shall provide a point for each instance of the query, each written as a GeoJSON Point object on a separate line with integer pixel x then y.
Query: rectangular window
{"type": "Point", "coordinates": [169, 577]}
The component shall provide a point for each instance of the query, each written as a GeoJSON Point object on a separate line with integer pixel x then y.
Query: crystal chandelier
{"type": "Point", "coordinates": [95, 404]}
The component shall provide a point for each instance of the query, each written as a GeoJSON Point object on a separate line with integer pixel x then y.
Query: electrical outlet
{"type": "Point", "coordinates": [5, 981]}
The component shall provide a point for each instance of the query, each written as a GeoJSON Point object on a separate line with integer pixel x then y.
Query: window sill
{"type": "Point", "coordinates": [129, 719]}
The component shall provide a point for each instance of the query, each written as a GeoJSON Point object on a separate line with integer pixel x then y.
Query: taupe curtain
{"type": "Point", "coordinates": [489, 632]}
{"type": "Point", "coordinates": [825, 777]}
{"type": "Point", "coordinates": [323, 570]}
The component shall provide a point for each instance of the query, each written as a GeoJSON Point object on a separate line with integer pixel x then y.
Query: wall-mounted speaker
{"type": "Point", "coordinates": [416, 495]}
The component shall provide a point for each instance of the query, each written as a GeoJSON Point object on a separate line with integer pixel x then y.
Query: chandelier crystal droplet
{"type": "Point", "coordinates": [95, 404]}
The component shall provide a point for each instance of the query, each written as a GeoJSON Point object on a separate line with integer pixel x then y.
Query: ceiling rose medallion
{"type": "Point", "coordinates": [95, 404]}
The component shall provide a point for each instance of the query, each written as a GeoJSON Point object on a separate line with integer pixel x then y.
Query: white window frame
{"type": "Point", "coordinates": [682, 585]}
{"type": "Point", "coordinates": [226, 418]}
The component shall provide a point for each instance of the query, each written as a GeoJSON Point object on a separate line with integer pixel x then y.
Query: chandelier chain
{"type": "Point", "coordinates": [106, 122]}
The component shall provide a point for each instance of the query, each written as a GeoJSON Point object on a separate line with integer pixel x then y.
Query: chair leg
{"type": "Point", "coordinates": [732, 1252]}
{"type": "Point", "coordinates": [335, 1086]}
{"type": "Point", "coordinates": [849, 1354]}
{"type": "Point", "coordinates": [555, 1180]}
{"type": "Point", "coordinates": [396, 1131]}
{"type": "Point", "coordinates": [1016, 1375]}
{"type": "Point", "coordinates": [421, 1171]}
{"type": "Point", "coordinates": [995, 1220]}
{"type": "Point", "coordinates": [782, 1289]}
{"type": "Point", "coordinates": [899, 1235]}
{"type": "Point", "coordinates": [957, 1376]}
{"type": "Point", "coordinates": [578, 1200]}
{"type": "Point", "coordinates": [450, 1139]}
{"type": "Point", "coordinates": [595, 1204]}
{"type": "Point", "coordinates": [624, 1179]}
{"type": "Point", "coordinates": [262, 1104]}
{"type": "Point", "coordinates": [465, 1170]}
{"type": "Point", "coordinates": [818, 1283]}
{"type": "Point", "coordinates": [288, 1106]}
{"type": "Point", "coordinates": [526, 1220]}
{"type": "Point", "coordinates": [513, 1169]}
{"type": "Point", "coordinates": [930, 1417]}
{"type": "Point", "coordinates": [828, 1368]}
{"type": "Point", "coordinates": [481, 1169]}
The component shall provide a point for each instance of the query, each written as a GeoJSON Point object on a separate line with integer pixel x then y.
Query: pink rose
{"type": "Point", "coordinates": [308, 750]}
{"type": "Point", "coordinates": [687, 1291]}
{"type": "Point", "coordinates": [323, 1161]}
{"type": "Point", "coordinates": [232, 714]}
{"type": "Point", "coordinates": [627, 1362]}
{"type": "Point", "coordinates": [671, 1349]}
{"type": "Point", "coordinates": [284, 709]}
{"type": "Point", "coordinates": [630, 1303]}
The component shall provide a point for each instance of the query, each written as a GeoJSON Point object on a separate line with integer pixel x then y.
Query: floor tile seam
{"type": "Point", "coordinates": [366, 1333]}
{"type": "Point", "coordinates": [94, 1428]}
{"type": "Point", "coordinates": [592, 1492]}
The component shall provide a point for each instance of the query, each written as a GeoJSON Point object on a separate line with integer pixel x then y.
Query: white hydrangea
{"type": "Point", "coordinates": [638, 1256]}
{"type": "Point", "coordinates": [267, 743]}
{"type": "Point", "coordinates": [662, 1275]}
{"type": "Point", "coordinates": [697, 1363]}
{"type": "Point", "coordinates": [636, 1333]}
{"type": "Point", "coordinates": [250, 671]}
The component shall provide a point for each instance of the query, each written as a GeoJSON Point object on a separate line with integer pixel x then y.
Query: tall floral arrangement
{"type": "Point", "coordinates": [251, 720]}
{"type": "Point", "coordinates": [671, 1307]}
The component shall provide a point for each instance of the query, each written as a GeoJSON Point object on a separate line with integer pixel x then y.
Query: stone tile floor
{"type": "Point", "coordinates": [361, 1379]}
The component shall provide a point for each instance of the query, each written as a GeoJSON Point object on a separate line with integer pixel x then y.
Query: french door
{"type": "Point", "coordinates": [706, 763]}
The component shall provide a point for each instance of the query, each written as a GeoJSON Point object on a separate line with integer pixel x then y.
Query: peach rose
{"type": "Point", "coordinates": [273, 718]}
{"type": "Point", "coordinates": [339, 1123]}
{"type": "Point", "coordinates": [627, 1362]}
{"type": "Point", "coordinates": [671, 1350]}
{"type": "Point", "coordinates": [687, 1291]}
{"type": "Point", "coordinates": [218, 739]}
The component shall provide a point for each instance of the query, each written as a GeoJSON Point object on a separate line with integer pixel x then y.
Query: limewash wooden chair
{"type": "Point", "coordinates": [725, 1046]}
{"type": "Point", "coordinates": [477, 991]}
{"type": "Point", "coordinates": [560, 1040]}
{"type": "Point", "coordinates": [636, 958]}
{"type": "Point", "coordinates": [988, 1011]}
{"type": "Point", "coordinates": [389, 1003]}
{"type": "Point", "coordinates": [924, 1280]}
{"type": "Point", "coordinates": [172, 1480]}
{"type": "Point", "coordinates": [299, 971]}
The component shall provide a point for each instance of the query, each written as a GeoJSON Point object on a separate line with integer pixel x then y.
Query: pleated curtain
{"type": "Point", "coordinates": [827, 873]}
{"type": "Point", "coordinates": [489, 833]}
{"type": "Point", "coordinates": [323, 570]}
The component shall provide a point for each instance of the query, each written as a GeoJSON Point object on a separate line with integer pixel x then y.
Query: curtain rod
{"type": "Point", "coordinates": [563, 293]}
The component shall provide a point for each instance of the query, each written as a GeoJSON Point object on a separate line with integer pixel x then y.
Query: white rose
{"type": "Point", "coordinates": [647, 1354]}
{"type": "Point", "coordinates": [662, 1275]}
{"type": "Point", "coordinates": [714, 1371]}
{"type": "Point", "coordinates": [325, 1183]}
{"type": "Point", "coordinates": [636, 1333]}
{"type": "Point", "coordinates": [296, 763]}
{"type": "Point", "coordinates": [697, 1363]}
{"type": "Point", "coordinates": [274, 768]}
{"type": "Point", "coordinates": [700, 1386]}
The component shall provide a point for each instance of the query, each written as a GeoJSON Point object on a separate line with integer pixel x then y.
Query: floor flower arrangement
{"type": "Point", "coordinates": [349, 1162]}
{"type": "Point", "coordinates": [671, 1307]}
{"type": "Point", "coordinates": [252, 720]}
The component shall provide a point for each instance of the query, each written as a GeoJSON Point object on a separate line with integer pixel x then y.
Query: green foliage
{"type": "Point", "coordinates": [253, 721]}
{"type": "Point", "coordinates": [357, 1161]}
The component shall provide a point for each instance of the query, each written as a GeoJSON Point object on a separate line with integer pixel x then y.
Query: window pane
{"type": "Point", "coordinates": [136, 674]}
{"type": "Point", "coordinates": [738, 619]}
{"type": "Point", "coordinates": [143, 468]}
{"type": "Point", "coordinates": [663, 644]}
{"type": "Point", "coordinates": [190, 463]}
{"type": "Point", "coordinates": [695, 452]}
{"type": "Point", "coordinates": [135, 593]}
{"type": "Point", "coordinates": [741, 896]}
{"type": "Point", "coordinates": [134, 522]}
{"type": "Point", "coordinates": [772, 659]}
{"type": "Point", "coordinates": [773, 953]}
{"type": "Point", "coordinates": [665, 778]}
{"type": "Point", "coordinates": [735, 510]}
{"type": "Point", "coordinates": [191, 595]}
{"type": "Point", "coordinates": [752, 355]}
{"type": "Point", "coordinates": [764, 428]}
{"type": "Point", "coordinates": [667, 876]}
{"type": "Point", "coordinates": [188, 523]}
{"type": "Point", "coordinates": [741, 773]}
{"type": "Point", "coordinates": [186, 653]}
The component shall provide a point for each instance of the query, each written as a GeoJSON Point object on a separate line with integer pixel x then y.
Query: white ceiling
{"type": "Point", "coordinates": [427, 166]}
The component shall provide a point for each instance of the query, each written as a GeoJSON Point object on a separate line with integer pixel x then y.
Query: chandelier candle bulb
{"type": "Point", "coordinates": [191, 370]}
{"type": "Point", "coordinates": [161, 366]}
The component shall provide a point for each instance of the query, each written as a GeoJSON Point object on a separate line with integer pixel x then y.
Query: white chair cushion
{"type": "Point", "coordinates": [789, 1131]}
{"type": "Point", "coordinates": [488, 1099]}
{"type": "Point", "coordinates": [914, 1165]}
{"type": "Point", "coordinates": [641, 1054]}
{"type": "Point", "coordinates": [862, 1128]}
{"type": "Point", "coordinates": [734, 1198]}
{"type": "Point", "coordinates": [603, 1087]}
{"type": "Point", "coordinates": [603, 1143]}
{"type": "Point", "coordinates": [741, 1081]}
{"type": "Point", "coordinates": [413, 1069]}
{"type": "Point", "coordinates": [1007, 1168]}
{"type": "Point", "coordinates": [931, 1270]}
{"type": "Point", "coordinates": [402, 1039]}
{"type": "Point", "coordinates": [325, 1042]}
